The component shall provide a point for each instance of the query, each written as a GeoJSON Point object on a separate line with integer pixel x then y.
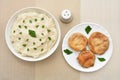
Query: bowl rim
{"type": "Point", "coordinates": [8, 42]}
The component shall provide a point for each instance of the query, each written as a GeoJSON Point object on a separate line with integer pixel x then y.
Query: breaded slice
{"type": "Point", "coordinates": [86, 58]}
{"type": "Point", "coordinates": [77, 41]}
{"type": "Point", "coordinates": [98, 43]}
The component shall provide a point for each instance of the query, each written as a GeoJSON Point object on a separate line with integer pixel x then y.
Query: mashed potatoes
{"type": "Point", "coordinates": [33, 34]}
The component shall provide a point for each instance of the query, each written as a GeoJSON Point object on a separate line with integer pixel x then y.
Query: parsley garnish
{"type": "Point", "coordinates": [37, 26]}
{"type": "Point", "coordinates": [25, 27]}
{"type": "Point", "coordinates": [14, 31]}
{"type": "Point", "coordinates": [20, 33]}
{"type": "Point", "coordinates": [49, 38]}
{"type": "Point", "coordinates": [48, 30]}
{"type": "Point", "coordinates": [43, 26]}
{"type": "Point", "coordinates": [27, 39]}
{"type": "Point", "coordinates": [19, 26]}
{"type": "Point", "coordinates": [42, 18]}
{"type": "Point", "coordinates": [19, 38]}
{"type": "Point", "coordinates": [30, 21]}
{"type": "Point", "coordinates": [33, 43]}
{"type": "Point", "coordinates": [32, 33]}
{"type": "Point", "coordinates": [68, 52]}
{"type": "Point", "coordinates": [35, 20]}
{"type": "Point", "coordinates": [27, 49]}
{"type": "Point", "coordinates": [23, 21]}
{"type": "Point", "coordinates": [101, 59]}
{"type": "Point", "coordinates": [35, 48]}
{"type": "Point", "coordinates": [42, 49]}
{"type": "Point", "coordinates": [88, 29]}
{"type": "Point", "coordinates": [40, 39]}
{"type": "Point", "coordinates": [24, 45]}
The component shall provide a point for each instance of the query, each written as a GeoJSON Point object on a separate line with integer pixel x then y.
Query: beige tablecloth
{"type": "Point", "coordinates": [53, 68]}
{"type": "Point", "coordinates": [103, 12]}
{"type": "Point", "coordinates": [107, 14]}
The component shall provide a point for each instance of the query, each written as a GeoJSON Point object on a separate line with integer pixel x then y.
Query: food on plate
{"type": "Point", "coordinates": [77, 41]}
{"type": "Point", "coordinates": [98, 43]}
{"type": "Point", "coordinates": [33, 34]}
{"type": "Point", "coordinates": [86, 58]}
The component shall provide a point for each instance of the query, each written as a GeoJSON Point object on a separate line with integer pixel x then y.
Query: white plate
{"type": "Point", "coordinates": [10, 23]}
{"type": "Point", "coordinates": [71, 59]}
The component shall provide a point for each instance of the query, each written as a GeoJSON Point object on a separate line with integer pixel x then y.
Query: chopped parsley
{"type": "Point", "coordinates": [19, 38]}
{"type": "Point", "coordinates": [40, 39]}
{"type": "Point", "coordinates": [30, 21]}
{"type": "Point", "coordinates": [101, 59]}
{"type": "Point", "coordinates": [42, 49]}
{"type": "Point", "coordinates": [49, 38]}
{"type": "Point", "coordinates": [19, 26]}
{"type": "Point", "coordinates": [20, 33]}
{"type": "Point", "coordinates": [88, 29]}
{"type": "Point", "coordinates": [27, 39]}
{"type": "Point", "coordinates": [68, 52]}
{"type": "Point", "coordinates": [48, 30]}
{"type": "Point", "coordinates": [41, 43]}
{"type": "Point", "coordinates": [32, 33]}
{"type": "Point", "coordinates": [43, 26]}
{"type": "Point", "coordinates": [33, 43]}
{"type": "Point", "coordinates": [42, 18]}
{"type": "Point", "coordinates": [35, 20]}
{"type": "Point", "coordinates": [24, 45]}
{"type": "Point", "coordinates": [25, 27]}
{"type": "Point", "coordinates": [14, 31]}
{"type": "Point", "coordinates": [37, 26]}
{"type": "Point", "coordinates": [27, 49]}
{"type": "Point", "coordinates": [23, 21]}
{"type": "Point", "coordinates": [42, 33]}
{"type": "Point", "coordinates": [35, 48]}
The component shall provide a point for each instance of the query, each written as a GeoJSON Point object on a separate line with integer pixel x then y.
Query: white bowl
{"type": "Point", "coordinates": [10, 23]}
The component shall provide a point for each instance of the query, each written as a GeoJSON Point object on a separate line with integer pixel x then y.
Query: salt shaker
{"type": "Point", "coordinates": [66, 16]}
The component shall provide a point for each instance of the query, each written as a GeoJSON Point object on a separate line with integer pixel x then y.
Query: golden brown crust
{"type": "Point", "coordinates": [86, 58]}
{"type": "Point", "coordinates": [98, 43]}
{"type": "Point", "coordinates": [77, 41]}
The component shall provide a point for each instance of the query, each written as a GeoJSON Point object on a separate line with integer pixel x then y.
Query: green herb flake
{"type": "Point", "coordinates": [41, 43]}
{"type": "Point", "coordinates": [30, 21]}
{"type": "Point", "coordinates": [35, 20]}
{"type": "Point", "coordinates": [35, 48]}
{"type": "Point", "coordinates": [19, 26]}
{"type": "Point", "coordinates": [43, 26]}
{"type": "Point", "coordinates": [42, 33]}
{"type": "Point", "coordinates": [48, 30]}
{"type": "Point", "coordinates": [24, 45]}
{"type": "Point", "coordinates": [49, 38]}
{"type": "Point", "coordinates": [32, 33]}
{"type": "Point", "coordinates": [14, 31]}
{"type": "Point", "coordinates": [68, 52]}
{"type": "Point", "coordinates": [42, 18]}
{"type": "Point", "coordinates": [27, 39]}
{"type": "Point", "coordinates": [33, 43]}
{"type": "Point", "coordinates": [88, 29]}
{"type": "Point", "coordinates": [42, 49]}
{"type": "Point", "coordinates": [37, 26]}
{"type": "Point", "coordinates": [40, 39]}
{"type": "Point", "coordinates": [25, 27]}
{"type": "Point", "coordinates": [20, 33]}
{"type": "Point", "coordinates": [19, 38]}
{"type": "Point", "coordinates": [23, 21]}
{"type": "Point", "coordinates": [101, 59]}
{"type": "Point", "coordinates": [27, 49]}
